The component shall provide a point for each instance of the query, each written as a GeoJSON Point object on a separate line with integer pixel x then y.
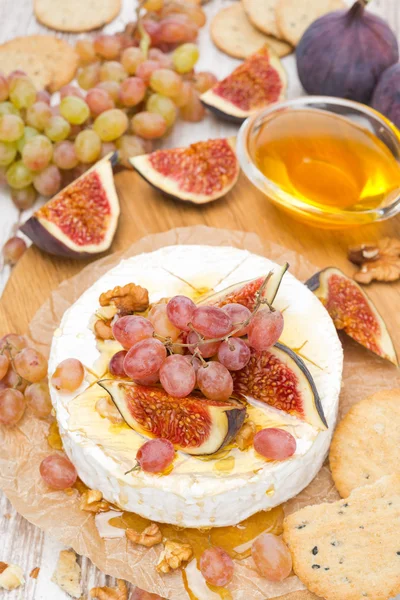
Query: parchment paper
{"type": "Point", "coordinates": [23, 448]}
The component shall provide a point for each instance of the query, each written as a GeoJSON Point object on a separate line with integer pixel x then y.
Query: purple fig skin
{"type": "Point", "coordinates": [344, 53]}
{"type": "Point", "coordinates": [386, 96]}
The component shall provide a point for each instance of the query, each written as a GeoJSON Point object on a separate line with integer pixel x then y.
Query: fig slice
{"type": "Point", "coordinates": [280, 378]}
{"type": "Point", "coordinates": [195, 425]}
{"type": "Point", "coordinates": [259, 81]}
{"type": "Point", "coordinates": [82, 218]}
{"type": "Point", "coordinates": [199, 173]}
{"type": "Point", "coordinates": [245, 292]}
{"type": "Point", "coordinates": [353, 311]}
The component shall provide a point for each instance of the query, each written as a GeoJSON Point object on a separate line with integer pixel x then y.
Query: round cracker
{"type": "Point", "coordinates": [56, 55]}
{"type": "Point", "coordinates": [232, 32]}
{"type": "Point", "coordinates": [261, 14]}
{"type": "Point", "coordinates": [294, 17]}
{"type": "Point", "coordinates": [39, 73]}
{"type": "Point", "coordinates": [76, 15]}
{"type": "Point", "coordinates": [365, 444]}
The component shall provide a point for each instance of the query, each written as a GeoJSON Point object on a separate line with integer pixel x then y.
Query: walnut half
{"type": "Point", "coordinates": [151, 536]}
{"type": "Point", "coordinates": [379, 262]}
{"type": "Point", "coordinates": [127, 299]}
{"type": "Point", "coordinates": [108, 593]}
{"type": "Point", "coordinates": [173, 556]}
{"type": "Point", "coordinates": [92, 501]}
{"type": "Point", "coordinates": [11, 577]}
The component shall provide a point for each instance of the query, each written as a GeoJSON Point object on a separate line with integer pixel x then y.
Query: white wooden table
{"type": "Point", "coordinates": [21, 542]}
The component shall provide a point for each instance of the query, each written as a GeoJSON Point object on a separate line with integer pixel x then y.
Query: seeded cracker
{"type": "Point", "coordinates": [365, 443]}
{"type": "Point", "coordinates": [55, 56]}
{"type": "Point", "coordinates": [262, 14]}
{"type": "Point", "coordinates": [232, 32]}
{"type": "Point", "coordinates": [294, 16]}
{"type": "Point", "coordinates": [350, 549]}
{"type": "Point", "coordinates": [76, 15]}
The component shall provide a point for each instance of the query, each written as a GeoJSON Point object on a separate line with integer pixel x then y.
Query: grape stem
{"type": "Point", "coordinates": [137, 467]}
{"type": "Point", "coordinates": [260, 301]}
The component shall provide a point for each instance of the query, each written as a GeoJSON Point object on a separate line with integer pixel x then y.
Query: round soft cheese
{"type": "Point", "coordinates": [230, 486]}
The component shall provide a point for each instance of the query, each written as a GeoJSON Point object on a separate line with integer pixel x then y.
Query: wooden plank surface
{"type": "Point", "coordinates": [144, 211]}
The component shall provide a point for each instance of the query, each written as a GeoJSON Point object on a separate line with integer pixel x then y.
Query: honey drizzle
{"type": "Point", "coordinates": [235, 540]}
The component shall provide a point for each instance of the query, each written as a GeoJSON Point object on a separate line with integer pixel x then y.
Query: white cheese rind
{"type": "Point", "coordinates": [195, 494]}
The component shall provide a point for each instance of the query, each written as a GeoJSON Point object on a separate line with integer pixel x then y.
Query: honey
{"type": "Point", "coordinates": [326, 161]}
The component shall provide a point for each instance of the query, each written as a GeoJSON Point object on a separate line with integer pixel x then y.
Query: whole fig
{"type": "Point", "coordinates": [344, 53]}
{"type": "Point", "coordinates": [386, 96]}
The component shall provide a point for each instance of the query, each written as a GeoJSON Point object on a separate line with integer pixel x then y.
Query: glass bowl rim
{"type": "Point", "coordinates": [257, 177]}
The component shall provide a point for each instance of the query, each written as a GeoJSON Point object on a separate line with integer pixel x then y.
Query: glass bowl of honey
{"type": "Point", "coordinates": [330, 162]}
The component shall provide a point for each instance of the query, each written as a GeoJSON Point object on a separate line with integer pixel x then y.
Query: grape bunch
{"type": "Point", "coordinates": [173, 343]}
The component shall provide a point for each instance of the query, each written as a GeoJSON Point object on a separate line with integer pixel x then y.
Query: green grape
{"type": "Point", "coordinates": [128, 146]}
{"type": "Point", "coordinates": [8, 108]}
{"type": "Point", "coordinates": [58, 129]}
{"type": "Point", "coordinates": [87, 146]}
{"type": "Point", "coordinates": [37, 153]}
{"type": "Point", "coordinates": [185, 57]}
{"type": "Point", "coordinates": [22, 92]}
{"type": "Point", "coordinates": [74, 110]}
{"type": "Point", "coordinates": [8, 152]}
{"type": "Point", "coordinates": [11, 128]}
{"type": "Point", "coordinates": [19, 176]}
{"type": "Point", "coordinates": [29, 132]}
{"type": "Point", "coordinates": [157, 103]}
{"type": "Point", "coordinates": [131, 59]}
{"type": "Point", "coordinates": [111, 124]}
{"type": "Point", "coordinates": [166, 82]}
{"type": "Point", "coordinates": [38, 115]}
{"type": "Point", "coordinates": [112, 71]}
{"type": "Point", "coordinates": [149, 125]}
{"type": "Point", "coordinates": [89, 76]}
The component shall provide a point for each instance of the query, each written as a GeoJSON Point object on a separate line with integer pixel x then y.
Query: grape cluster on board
{"type": "Point", "coordinates": [127, 97]}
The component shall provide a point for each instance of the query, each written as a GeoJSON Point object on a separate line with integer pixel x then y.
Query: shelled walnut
{"type": "Point", "coordinates": [127, 299]}
{"type": "Point", "coordinates": [150, 537]}
{"type": "Point", "coordinates": [173, 556]}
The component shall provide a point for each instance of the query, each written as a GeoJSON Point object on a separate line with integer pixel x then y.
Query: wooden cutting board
{"type": "Point", "coordinates": [145, 211]}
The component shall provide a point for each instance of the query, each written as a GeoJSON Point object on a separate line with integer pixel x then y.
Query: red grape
{"type": "Point", "coordinates": [38, 398]}
{"type": "Point", "coordinates": [13, 249]}
{"type": "Point", "coordinates": [146, 69]}
{"type": "Point", "coordinates": [194, 361]}
{"type": "Point", "coordinates": [111, 87]}
{"type": "Point", "coordinates": [144, 358]}
{"type": "Point", "coordinates": [107, 46]}
{"type": "Point", "coordinates": [139, 594]}
{"type": "Point", "coordinates": [156, 455]}
{"type": "Point", "coordinates": [158, 317]}
{"type": "Point", "coordinates": [212, 322]}
{"type": "Point", "coordinates": [274, 443]}
{"type": "Point", "coordinates": [238, 314]}
{"type": "Point", "coordinates": [132, 91]}
{"type": "Point", "coordinates": [131, 58]}
{"type": "Point", "coordinates": [38, 115]}
{"type": "Point", "coordinates": [206, 349]}
{"type": "Point", "coordinates": [12, 407]}
{"type": "Point", "coordinates": [58, 472]}
{"type": "Point", "coordinates": [71, 90]}
{"type": "Point", "coordinates": [193, 111]}
{"type": "Point", "coordinates": [69, 375]}
{"type": "Point", "coordinates": [85, 49]}
{"type": "Point", "coordinates": [203, 81]}
{"type": "Point", "coordinates": [163, 59]}
{"type": "Point", "coordinates": [4, 364]}
{"type": "Point", "coordinates": [48, 181]}
{"type": "Point", "coordinates": [4, 89]}
{"type": "Point", "coordinates": [150, 380]}
{"type": "Point", "coordinates": [215, 381]}
{"type": "Point", "coordinates": [43, 96]}
{"type": "Point", "coordinates": [216, 566]}
{"type": "Point", "coordinates": [272, 557]}
{"type": "Point", "coordinates": [177, 376]}
{"type": "Point", "coordinates": [31, 365]}
{"type": "Point", "coordinates": [131, 329]}
{"type": "Point", "coordinates": [24, 198]}
{"type": "Point", "coordinates": [234, 354]}
{"type": "Point", "coordinates": [64, 155]}
{"type": "Point", "coordinates": [116, 366]}
{"type": "Point", "coordinates": [12, 344]}
{"type": "Point", "coordinates": [149, 125]}
{"type": "Point", "coordinates": [265, 329]}
{"type": "Point", "coordinates": [177, 29]}
{"type": "Point", "coordinates": [98, 101]}
{"type": "Point", "coordinates": [180, 310]}
{"type": "Point", "coordinates": [15, 381]}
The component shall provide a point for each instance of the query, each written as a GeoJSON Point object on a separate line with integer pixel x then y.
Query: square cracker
{"type": "Point", "coordinates": [364, 443]}
{"type": "Point", "coordinates": [350, 549]}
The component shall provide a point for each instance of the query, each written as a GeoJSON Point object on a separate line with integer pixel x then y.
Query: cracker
{"type": "Point", "coordinates": [76, 15]}
{"type": "Point", "coordinates": [365, 443]}
{"type": "Point", "coordinates": [10, 60]}
{"type": "Point", "coordinates": [56, 55]}
{"type": "Point", "coordinates": [293, 17]}
{"type": "Point", "coordinates": [232, 32]}
{"type": "Point", "coordinates": [261, 14]}
{"type": "Point", "coordinates": [350, 549]}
